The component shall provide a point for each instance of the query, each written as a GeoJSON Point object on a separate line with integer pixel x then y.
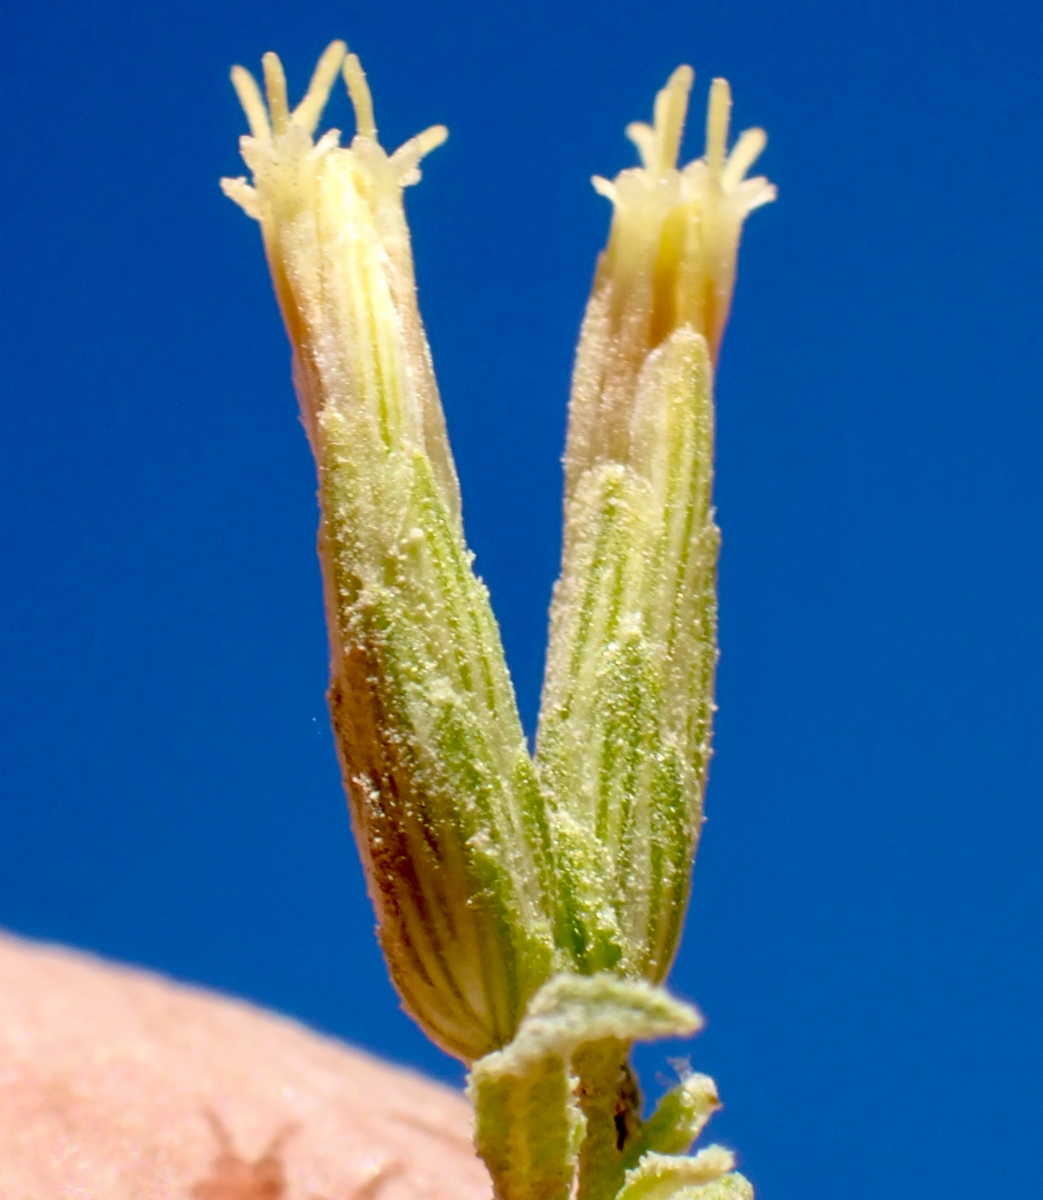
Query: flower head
{"type": "Point", "coordinates": [625, 723]}
{"type": "Point", "coordinates": [443, 795]}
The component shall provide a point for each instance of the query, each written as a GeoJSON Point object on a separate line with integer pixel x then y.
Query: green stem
{"type": "Point", "coordinates": [610, 1100]}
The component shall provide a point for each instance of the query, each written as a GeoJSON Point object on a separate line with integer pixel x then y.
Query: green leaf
{"type": "Point", "coordinates": [708, 1175]}
{"type": "Point", "coordinates": [527, 1126]}
{"type": "Point", "coordinates": [679, 1118]}
{"type": "Point", "coordinates": [529, 1122]}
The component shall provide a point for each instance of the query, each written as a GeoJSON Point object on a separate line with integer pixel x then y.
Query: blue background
{"type": "Point", "coordinates": [865, 928]}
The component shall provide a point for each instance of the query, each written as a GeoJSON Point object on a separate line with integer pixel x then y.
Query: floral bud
{"type": "Point", "coordinates": [443, 795]}
{"type": "Point", "coordinates": [624, 739]}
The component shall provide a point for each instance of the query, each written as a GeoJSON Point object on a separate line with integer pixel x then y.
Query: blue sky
{"type": "Point", "coordinates": [865, 928]}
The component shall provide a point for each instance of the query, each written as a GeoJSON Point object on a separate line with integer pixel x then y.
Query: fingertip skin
{"type": "Point", "coordinates": [117, 1083]}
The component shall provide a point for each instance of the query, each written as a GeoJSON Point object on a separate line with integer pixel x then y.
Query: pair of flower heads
{"type": "Point", "coordinates": [528, 903]}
